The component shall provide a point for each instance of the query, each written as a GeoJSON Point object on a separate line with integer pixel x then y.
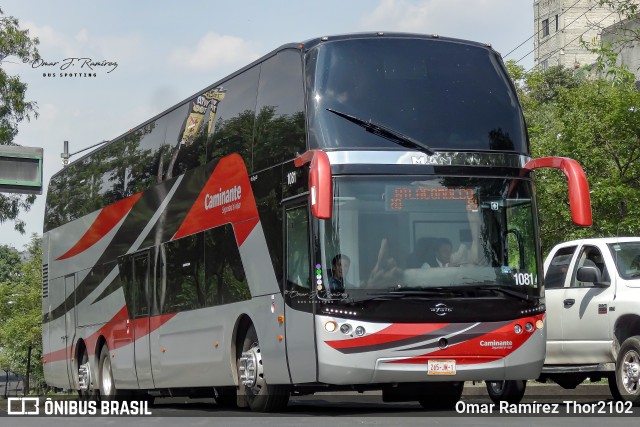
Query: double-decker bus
{"type": "Point", "coordinates": [349, 213]}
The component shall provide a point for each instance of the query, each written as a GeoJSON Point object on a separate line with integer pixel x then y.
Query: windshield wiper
{"type": "Point", "coordinates": [521, 295]}
{"type": "Point", "coordinates": [384, 132]}
{"type": "Point", "coordinates": [412, 294]}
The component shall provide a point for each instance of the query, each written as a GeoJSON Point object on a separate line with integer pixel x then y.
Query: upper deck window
{"type": "Point", "coordinates": [444, 94]}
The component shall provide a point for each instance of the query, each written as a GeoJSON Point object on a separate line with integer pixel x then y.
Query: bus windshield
{"type": "Point", "coordinates": [442, 94]}
{"type": "Point", "coordinates": [419, 234]}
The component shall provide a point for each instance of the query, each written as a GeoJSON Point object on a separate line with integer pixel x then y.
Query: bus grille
{"type": "Point", "coordinates": [45, 281]}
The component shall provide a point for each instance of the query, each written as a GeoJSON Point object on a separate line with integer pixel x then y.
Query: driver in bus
{"type": "Point", "coordinates": [339, 269]}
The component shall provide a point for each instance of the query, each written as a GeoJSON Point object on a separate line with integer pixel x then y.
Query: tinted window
{"type": "Point", "coordinates": [181, 156]}
{"type": "Point", "coordinates": [590, 257]}
{"type": "Point", "coordinates": [446, 95]}
{"type": "Point", "coordinates": [234, 118]}
{"type": "Point", "coordinates": [279, 129]}
{"type": "Point", "coordinates": [224, 276]}
{"type": "Point", "coordinates": [135, 276]}
{"type": "Point", "coordinates": [142, 157]}
{"type": "Point", "coordinates": [557, 271]}
{"type": "Point", "coordinates": [182, 269]}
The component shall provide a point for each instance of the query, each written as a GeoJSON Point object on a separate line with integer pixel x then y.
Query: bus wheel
{"type": "Point", "coordinates": [441, 395]}
{"type": "Point", "coordinates": [259, 396]}
{"type": "Point", "coordinates": [628, 370]}
{"type": "Point", "coordinates": [107, 385]}
{"type": "Point", "coordinates": [84, 377]}
{"type": "Point", "coordinates": [506, 391]}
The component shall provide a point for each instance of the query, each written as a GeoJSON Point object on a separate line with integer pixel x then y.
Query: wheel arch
{"type": "Point", "coordinates": [626, 326]}
{"type": "Point", "coordinates": [242, 325]}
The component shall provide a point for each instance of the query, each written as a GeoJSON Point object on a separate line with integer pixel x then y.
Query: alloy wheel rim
{"type": "Point", "coordinates": [631, 372]}
{"type": "Point", "coordinates": [250, 369]}
{"type": "Point", "coordinates": [107, 384]}
{"type": "Point", "coordinates": [497, 386]}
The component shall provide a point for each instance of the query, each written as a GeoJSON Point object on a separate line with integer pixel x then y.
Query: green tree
{"type": "Point", "coordinates": [595, 121]}
{"type": "Point", "coordinates": [9, 263]}
{"type": "Point", "coordinates": [14, 42]}
{"type": "Point", "coordinates": [21, 314]}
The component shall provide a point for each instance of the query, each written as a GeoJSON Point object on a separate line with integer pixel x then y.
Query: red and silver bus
{"type": "Point", "coordinates": [349, 213]}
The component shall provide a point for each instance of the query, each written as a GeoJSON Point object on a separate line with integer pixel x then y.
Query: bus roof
{"type": "Point", "coordinates": [303, 46]}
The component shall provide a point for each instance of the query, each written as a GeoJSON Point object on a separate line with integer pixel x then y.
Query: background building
{"type": "Point", "coordinates": [562, 25]}
{"type": "Point", "coordinates": [624, 37]}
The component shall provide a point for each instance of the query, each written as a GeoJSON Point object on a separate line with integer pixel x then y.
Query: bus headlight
{"type": "Point", "coordinates": [517, 329]}
{"type": "Point", "coordinates": [360, 331]}
{"type": "Point", "coordinates": [345, 328]}
{"type": "Point", "coordinates": [528, 327]}
{"type": "Point", "coordinates": [330, 326]}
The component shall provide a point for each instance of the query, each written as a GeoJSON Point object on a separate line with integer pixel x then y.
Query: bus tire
{"type": "Point", "coordinates": [441, 395]}
{"type": "Point", "coordinates": [83, 360]}
{"type": "Point", "coordinates": [510, 391]}
{"type": "Point", "coordinates": [253, 388]}
{"type": "Point", "coordinates": [628, 370]}
{"type": "Point", "coordinates": [107, 387]}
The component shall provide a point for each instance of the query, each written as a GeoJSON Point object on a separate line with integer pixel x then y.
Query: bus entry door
{"type": "Point", "coordinates": [141, 292]}
{"type": "Point", "coordinates": [299, 296]}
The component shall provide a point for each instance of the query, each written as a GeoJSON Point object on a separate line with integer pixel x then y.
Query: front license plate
{"type": "Point", "coordinates": [441, 367]}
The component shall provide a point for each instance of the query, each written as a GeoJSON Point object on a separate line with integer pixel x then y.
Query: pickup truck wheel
{"type": "Point", "coordinates": [506, 391]}
{"type": "Point", "coordinates": [628, 370]}
{"type": "Point", "coordinates": [613, 386]}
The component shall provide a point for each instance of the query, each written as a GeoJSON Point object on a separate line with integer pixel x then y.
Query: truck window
{"type": "Point", "coordinates": [590, 256]}
{"type": "Point", "coordinates": [557, 272]}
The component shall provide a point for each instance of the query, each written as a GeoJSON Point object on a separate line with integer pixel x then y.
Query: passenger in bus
{"type": "Point", "coordinates": [445, 257]}
{"type": "Point", "coordinates": [424, 251]}
{"type": "Point", "coordinates": [442, 256]}
{"type": "Point", "coordinates": [339, 269]}
{"type": "Point", "coordinates": [386, 271]}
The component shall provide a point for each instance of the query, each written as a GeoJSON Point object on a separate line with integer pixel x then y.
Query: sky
{"type": "Point", "coordinates": [166, 51]}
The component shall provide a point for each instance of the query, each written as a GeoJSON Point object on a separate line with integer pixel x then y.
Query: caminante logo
{"type": "Point", "coordinates": [495, 344]}
{"type": "Point", "coordinates": [222, 197]}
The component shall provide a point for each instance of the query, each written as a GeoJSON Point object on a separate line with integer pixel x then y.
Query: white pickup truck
{"type": "Point", "coordinates": [592, 291]}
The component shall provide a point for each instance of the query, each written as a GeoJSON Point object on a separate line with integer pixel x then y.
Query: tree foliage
{"type": "Point", "coordinates": [9, 263]}
{"type": "Point", "coordinates": [14, 43]}
{"type": "Point", "coordinates": [21, 317]}
{"type": "Point", "coordinates": [595, 121]}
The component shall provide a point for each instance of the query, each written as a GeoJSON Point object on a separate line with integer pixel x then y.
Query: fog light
{"type": "Point", "coordinates": [517, 329]}
{"type": "Point", "coordinates": [528, 327]}
{"type": "Point", "coordinates": [330, 326]}
{"type": "Point", "coordinates": [345, 329]}
{"type": "Point", "coordinates": [360, 331]}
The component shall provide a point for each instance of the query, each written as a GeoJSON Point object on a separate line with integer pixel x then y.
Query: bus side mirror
{"type": "Point", "coordinates": [579, 199]}
{"type": "Point", "coordinates": [320, 185]}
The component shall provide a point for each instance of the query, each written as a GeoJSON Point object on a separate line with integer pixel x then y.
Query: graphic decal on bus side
{"type": "Point", "coordinates": [215, 204]}
{"type": "Point", "coordinates": [226, 198]}
{"type": "Point", "coordinates": [106, 220]}
{"type": "Point", "coordinates": [135, 223]}
{"type": "Point", "coordinates": [121, 327]}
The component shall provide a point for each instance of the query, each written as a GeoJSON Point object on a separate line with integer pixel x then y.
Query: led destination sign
{"type": "Point", "coordinates": [413, 198]}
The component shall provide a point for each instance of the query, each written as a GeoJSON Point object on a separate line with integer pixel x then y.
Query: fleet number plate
{"type": "Point", "coordinates": [441, 367]}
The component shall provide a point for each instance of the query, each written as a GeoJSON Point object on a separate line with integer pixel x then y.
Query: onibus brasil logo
{"type": "Point", "coordinates": [36, 406]}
